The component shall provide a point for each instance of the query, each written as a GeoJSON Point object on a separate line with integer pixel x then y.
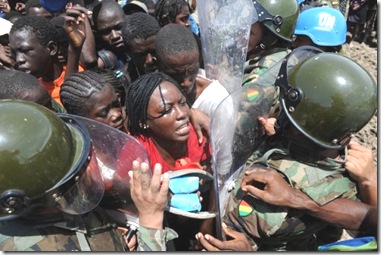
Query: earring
{"type": "Point", "coordinates": [144, 126]}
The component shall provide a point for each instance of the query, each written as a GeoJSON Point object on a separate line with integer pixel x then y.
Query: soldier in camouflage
{"type": "Point", "coordinates": [300, 182]}
{"type": "Point", "coordinates": [270, 36]}
{"type": "Point", "coordinates": [324, 28]}
{"type": "Point", "coordinates": [269, 40]}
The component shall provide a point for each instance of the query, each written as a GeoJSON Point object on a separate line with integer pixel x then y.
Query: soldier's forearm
{"type": "Point", "coordinates": [368, 191]}
{"type": "Point", "coordinates": [345, 213]}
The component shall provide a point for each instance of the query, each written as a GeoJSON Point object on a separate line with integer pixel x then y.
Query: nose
{"type": "Point", "coordinates": [116, 114]}
{"type": "Point", "coordinates": [181, 111]}
{"type": "Point", "coordinates": [19, 58]}
{"type": "Point", "coordinates": [187, 82]}
{"type": "Point", "coordinates": [150, 59]}
{"type": "Point", "coordinates": [114, 34]}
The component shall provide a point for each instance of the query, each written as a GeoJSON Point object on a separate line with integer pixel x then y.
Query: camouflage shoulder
{"type": "Point", "coordinates": [154, 239]}
{"type": "Point", "coordinates": [57, 107]}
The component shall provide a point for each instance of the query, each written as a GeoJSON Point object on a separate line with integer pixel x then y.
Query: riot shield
{"type": "Point", "coordinates": [235, 130]}
{"type": "Point", "coordinates": [115, 152]}
{"type": "Point", "coordinates": [225, 31]}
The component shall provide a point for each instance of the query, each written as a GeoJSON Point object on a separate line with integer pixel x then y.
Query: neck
{"type": "Point", "coordinates": [53, 73]}
{"type": "Point", "coordinates": [171, 151]}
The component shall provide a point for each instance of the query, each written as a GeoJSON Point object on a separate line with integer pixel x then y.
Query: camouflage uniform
{"type": "Point", "coordinates": [282, 228]}
{"type": "Point", "coordinates": [154, 239]}
{"type": "Point", "coordinates": [257, 66]}
{"type": "Point", "coordinates": [247, 131]}
{"type": "Point", "coordinates": [90, 232]}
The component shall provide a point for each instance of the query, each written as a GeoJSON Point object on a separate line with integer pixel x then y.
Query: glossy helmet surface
{"type": "Point", "coordinates": [328, 98]}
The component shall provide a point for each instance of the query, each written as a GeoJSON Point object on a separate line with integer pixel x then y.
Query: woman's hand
{"type": "Point", "coordinates": [150, 195]}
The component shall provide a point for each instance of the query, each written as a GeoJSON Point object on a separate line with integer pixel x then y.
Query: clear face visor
{"type": "Point", "coordinates": [114, 152]}
{"type": "Point", "coordinates": [85, 194]}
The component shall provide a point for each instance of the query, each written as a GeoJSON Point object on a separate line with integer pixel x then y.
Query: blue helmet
{"type": "Point", "coordinates": [324, 25]}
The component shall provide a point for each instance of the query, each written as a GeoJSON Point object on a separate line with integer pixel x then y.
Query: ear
{"type": "Point", "coordinates": [53, 48]}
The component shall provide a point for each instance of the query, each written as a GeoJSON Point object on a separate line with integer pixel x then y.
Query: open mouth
{"type": "Point", "coordinates": [183, 129]}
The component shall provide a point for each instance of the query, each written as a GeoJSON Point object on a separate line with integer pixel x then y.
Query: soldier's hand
{"type": "Point", "coordinates": [238, 241]}
{"type": "Point", "coordinates": [132, 244]}
{"type": "Point", "coordinates": [268, 185]}
{"type": "Point", "coordinates": [268, 125]}
{"type": "Point", "coordinates": [360, 163]}
{"type": "Point", "coordinates": [150, 195]}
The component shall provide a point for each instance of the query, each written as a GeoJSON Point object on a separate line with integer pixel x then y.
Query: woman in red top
{"type": "Point", "coordinates": [158, 116]}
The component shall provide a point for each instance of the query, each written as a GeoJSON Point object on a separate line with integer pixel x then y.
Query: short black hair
{"type": "Point", "coordinates": [31, 4]}
{"type": "Point", "coordinates": [44, 30]}
{"type": "Point", "coordinates": [169, 9]}
{"type": "Point", "coordinates": [139, 25]}
{"type": "Point", "coordinates": [16, 84]}
{"type": "Point", "coordinates": [174, 40]}
{"type": "Point", "coordinates": [138, 97]}
{"type": "Point", "coordinates": [78, 88]}
{"type": "Point", "coordinates": [105, 5]}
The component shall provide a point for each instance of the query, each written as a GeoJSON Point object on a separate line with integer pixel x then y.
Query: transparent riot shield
{"type": "Point", "coordinates": [235, 130]}
{"type": "Point", "coordinates": [225, 31]}
{"type": "Point", "coordinates": [115, 151]}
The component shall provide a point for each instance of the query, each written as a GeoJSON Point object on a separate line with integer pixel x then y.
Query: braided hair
{"type": "Point", "coordinates": [78, 88]}
{"type": "Point", "coordinates": [138, 96]}
{"type": "Point", "coordinates": [44, 30]}
{"type": "Point", "coordinates": [169, 9]}
{"type": "Point", "coordinates": [116, 79]}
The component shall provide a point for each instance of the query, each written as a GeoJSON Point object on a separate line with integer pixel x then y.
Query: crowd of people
{"type": "Point", "coordinates": [136, 71]}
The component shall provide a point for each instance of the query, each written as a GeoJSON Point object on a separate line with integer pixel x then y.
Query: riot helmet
{"type": "Point", "coordinates": [278, 16]}
{"type": "Point", "coordinates": [46, 162]}
{"type": "Point", "coordinates": [325, 26]}
{"type": "Point", "coordinates": [327, 98]}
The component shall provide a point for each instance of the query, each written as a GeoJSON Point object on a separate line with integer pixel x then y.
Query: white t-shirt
{"type": "Point", "coordinates": [210, 98]}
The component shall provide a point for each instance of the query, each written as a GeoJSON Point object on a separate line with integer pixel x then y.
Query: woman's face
{"type": "Point", "coordinates": [105, 108]}
{"type": "Point", "coordinates": [168, 114]}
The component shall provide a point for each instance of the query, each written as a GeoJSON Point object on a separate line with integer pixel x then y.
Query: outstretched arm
{"type": "Point", "coordinates": [349, 214]}
{"type": "Point", "coordinates": [75, 27]}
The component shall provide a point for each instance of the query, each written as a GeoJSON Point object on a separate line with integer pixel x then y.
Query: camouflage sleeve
{"type": "Point", "coordinates": [154, 239]}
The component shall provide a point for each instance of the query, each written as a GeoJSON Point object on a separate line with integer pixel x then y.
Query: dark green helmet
{"type": "Point", "coordinates": [279, 16]}
{"type": "Point", "coordinates": [36, 148]}
{"type": "Point", "coordinates": [328, 98]}
{"type": "Point", "coordinates": [43, 158]}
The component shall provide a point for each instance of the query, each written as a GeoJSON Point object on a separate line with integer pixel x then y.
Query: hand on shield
{"type": "Point", "coordinates": [237, 241]}
{"type": "Point", "coordinates": [150, 195]}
